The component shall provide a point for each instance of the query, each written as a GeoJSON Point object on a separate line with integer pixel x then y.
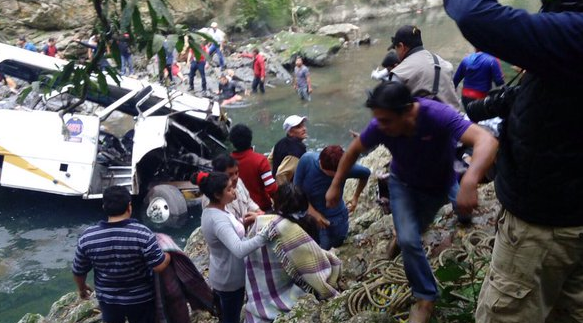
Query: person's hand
{"type": "Point", "coordinates": [467, 198]}
{"type": "Point", "coordinates": [352, 204]}
{"type": "Point", "coordinates": [247, 92]}
{"type": "Point", "coordinates": [250, 218]}
{"type": "Point", "coordinates": [264, 232]}
{"type": "Point", "coordinates": [295, 86]}
{"type": "Point", "coordinates": [332, 196]}
{"type": "Point", "coordinates": [310, 90]}
{"type": "Point", "coordinates": [321, 221]}
{"type": "Point", "coordinates": [85, 291]}
{"type": "Point", "coordinates": [263, 79]}
{"type": "Point", "coordinates": [353, 133]}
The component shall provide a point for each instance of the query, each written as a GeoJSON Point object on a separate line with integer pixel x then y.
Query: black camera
{"type": "Point", "coordinates": [496, 104]}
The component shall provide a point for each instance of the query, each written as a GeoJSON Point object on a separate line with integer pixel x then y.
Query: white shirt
{"type": "Point", "coordinates": [217, 34]}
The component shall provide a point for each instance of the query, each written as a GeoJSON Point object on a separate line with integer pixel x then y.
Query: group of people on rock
{"type": "Point", "coordinates": [269, 225]}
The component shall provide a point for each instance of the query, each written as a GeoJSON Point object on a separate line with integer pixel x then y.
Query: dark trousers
{"type": "Point", "coordinates": [197, 66]}
{"type": "Point", "coordinates": [258, 83]}
{"type": "Point", "coordinates": [231, 305]}
{"type": "Point", "coordinates": [135, 313]}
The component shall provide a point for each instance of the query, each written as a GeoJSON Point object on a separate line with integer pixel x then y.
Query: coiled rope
{"type": "Point", "coordinates": [384, 286]}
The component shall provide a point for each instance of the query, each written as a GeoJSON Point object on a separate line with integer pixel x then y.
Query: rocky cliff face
{"type": "Point", "coordinates": [41, 19]}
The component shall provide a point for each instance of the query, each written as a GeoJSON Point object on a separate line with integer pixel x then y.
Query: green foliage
{"type": "Point", "coordinates": [275, 13]}
{"type": "Point", "coordinates": [114, 19]}
{"type": "Point", "coordinates": [460, 283]}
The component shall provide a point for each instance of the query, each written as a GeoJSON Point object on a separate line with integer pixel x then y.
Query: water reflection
{"type": "Point", "coordinates": [38, 235]}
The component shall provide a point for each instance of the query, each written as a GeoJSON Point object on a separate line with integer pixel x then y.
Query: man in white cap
{"type": "Point", "coordinates": [220, 38]}
{"type": "Point", "coordinates": [287, 152]}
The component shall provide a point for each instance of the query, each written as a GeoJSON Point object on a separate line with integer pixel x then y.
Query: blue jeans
{"type": "Point", "coordinates": [413, 212]}
{"type": "Point", "coordinates": [197, 66]}
{"type": "Point", "coordinates": [231, 305]}
{"type": "Point", "coordinates": [136, 313]}
{"type": "Point", "coordinates": [335, 234]}
{"type": "Point", "coordinates": [127, 64]}
{"type": "Point", "coordinates": [216, 48]}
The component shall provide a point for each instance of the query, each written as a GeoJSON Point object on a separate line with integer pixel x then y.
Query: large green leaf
{"type": "Point", "coordinates": [206, 36]}
{"type": "Point", "coordinates": [153, 16]}
{"type": "Point", "coordinates": [24, 94]}
{"type": "Point", "coordinates": [67, 71]}
{"type": "Point", "coordinates": [127, 14]}
{"type": "Point", "coordinates": [450, 272]}
{"type": "Point", "coordinates": [115, 53]}
{"type": "Point", "coordinates": [157, 43]}
{"type": "Point", "coordinates": [102, 82]}
{"type": "Point", "coordinates": [137, 24]}
{"type": "Point", "coordinates": [112, 72]}
{"type": "Point", "coordinates": [162, 10]}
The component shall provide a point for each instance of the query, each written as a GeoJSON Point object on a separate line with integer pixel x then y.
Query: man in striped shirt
{"type": "Point", "coordinates": [254, 168]}
{"type": "Point", "coordinates": [123, 254]}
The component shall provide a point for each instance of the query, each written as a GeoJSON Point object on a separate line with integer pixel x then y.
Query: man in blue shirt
{"type": "Point", "coordinates": [536, 273]}
{"type": "Point", "coordinates": [122, 254]}
{"type": "Point", "coordinates": [22, 43]}
{"type": "Point", "coordinates": [314, 176]}
{"type": "Point", "coordinates": [478, 70]}
{"type": "Point", "coordinates": [421, 136]}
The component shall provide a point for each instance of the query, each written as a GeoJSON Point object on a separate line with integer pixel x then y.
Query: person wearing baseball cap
{"type": "Point", "coordinates": [287, 152]}
{"type": "Point", "coordinates": [426, 74]}
{"type": "Point", "coordinates": [220, 39]}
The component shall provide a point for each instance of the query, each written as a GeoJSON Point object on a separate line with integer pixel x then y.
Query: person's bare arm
{"type": "Point", "coordinates": [346, 162]}
{"type": "Point", "coordinates": [354, 202]}
{"type": "Point", "coordinates": [164, 264]}
{"type": "Point", "coordinates": [82, 287]}
{"type": "Point", "coordinates": [309, 81]}
{"type": "Point", "coordinates": [321, 221]}
{"type": "Point", "coordinates": [485, 148]}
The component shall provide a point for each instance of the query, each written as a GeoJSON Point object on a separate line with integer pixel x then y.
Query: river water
{"type": "Point", "coordinates": [38, 232]}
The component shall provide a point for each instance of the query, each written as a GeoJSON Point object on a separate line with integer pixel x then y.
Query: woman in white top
{"type": "Point", "coordinates": [225, 236]}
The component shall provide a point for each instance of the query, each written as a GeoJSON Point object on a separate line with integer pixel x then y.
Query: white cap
{"type": "Point", "coordinates": [214, 24]}
{"type": "Point", "coordinates": [292, 121]}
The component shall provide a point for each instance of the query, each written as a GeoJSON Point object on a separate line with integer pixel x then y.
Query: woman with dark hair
{"type": "Point", "coordinates": [291, 264]}
{"type": "Point", "coordinates": [224, 235]}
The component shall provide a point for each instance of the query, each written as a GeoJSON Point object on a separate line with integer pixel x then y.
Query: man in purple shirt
{"type": "Point", "coordinates": [478, 70]}
{"type": "Point", "coordinates": [421, 135]}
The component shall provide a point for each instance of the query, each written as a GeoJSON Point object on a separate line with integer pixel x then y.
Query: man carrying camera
{"type": "Point", "coordinates": [536, 273]}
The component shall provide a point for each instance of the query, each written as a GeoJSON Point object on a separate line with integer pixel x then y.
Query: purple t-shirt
{"type": "Point", "coordinates": [424, 160]}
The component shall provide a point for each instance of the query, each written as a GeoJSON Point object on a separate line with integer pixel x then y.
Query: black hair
{"type": "Point", "coordinates": [116, 200]}
{"type": "Point", "coordinates": [212, 184]}
{"type": "Point", "coordinates": [291, 200]}
{"type": "Point", "coordinates": [223, 161]}
{"type": "Point", "coordinates": [241, 137]}
{"type": "Point", "coordinates": [256, 50]}
{"type": "Point", "coordinates": [392, 96]}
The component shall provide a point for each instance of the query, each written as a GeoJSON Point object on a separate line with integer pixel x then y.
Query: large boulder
{"type": "Point", "coordinates": [315, 49]}
{"type": "Point", "coordinates": [346, 31]}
